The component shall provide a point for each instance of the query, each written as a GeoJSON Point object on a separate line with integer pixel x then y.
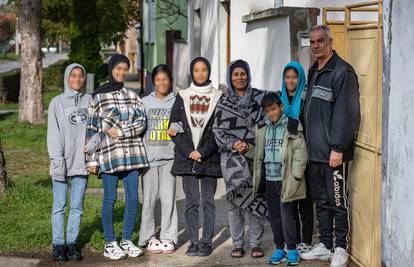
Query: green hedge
{"type": "Point", "coordinates": [10, 81]}
{"type": "Point", "coordinates": [53, 76]}
{"type": "Point", "coordinates": [9, 86]}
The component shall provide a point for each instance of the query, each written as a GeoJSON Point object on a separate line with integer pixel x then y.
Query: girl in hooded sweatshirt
{"type": "Point", "coordinates": [67, 117]}
{"type": "Point", "coordinates": [293, 96]}
{"type": "Point", "coordinates": [196, 158]}
{"type": "Point", "coordinates": [117, 118]}
{"type": "Point", "coordinates": [157, 180]}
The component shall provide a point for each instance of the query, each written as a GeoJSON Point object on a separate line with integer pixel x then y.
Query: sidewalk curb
{"type": "Point", "coordinates": [18, 262]}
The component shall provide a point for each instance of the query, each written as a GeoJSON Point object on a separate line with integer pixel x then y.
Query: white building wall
{"type": "Point", "coordinates": [264, 44]}
{"type": "Point", "coordinates": [398, 132]}
{"type": "Point", "coordinates": [213, 19]}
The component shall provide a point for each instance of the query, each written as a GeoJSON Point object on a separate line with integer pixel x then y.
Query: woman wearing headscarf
{"type": "Point", "coordinates": [117, 116]}
{"type": "Point", "coordinates": [66, 127]}
{"type": "Point", "coordinates": [293, 96]}
{"type": "Point", "coordinates": [196, 158]}
{"type": "Point", "coordinates": [236, 116]}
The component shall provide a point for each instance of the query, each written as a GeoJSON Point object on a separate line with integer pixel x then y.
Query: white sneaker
{"type": "Point", "coordinates": [340, 258]}
{"type": "Point", "coordinates": [130, 249]}
{"type": "Point", "coordinates": [113, 251]}
{"type": "Point", "coordinates": [318, 252]}
{"type": "Point", "coordinates": [303, 247]}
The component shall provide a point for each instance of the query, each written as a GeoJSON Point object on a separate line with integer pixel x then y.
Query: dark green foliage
{"type": "Point", "coordinates": [56, 20]}
{"type": "Point", "coordinates": [9, 86]}
{"type": "Point", "coordinates": [53, 76]}
{"type": "Point", "coordinates": [97, 22]}
{"type": "Point", "coordinates": [85, 41]}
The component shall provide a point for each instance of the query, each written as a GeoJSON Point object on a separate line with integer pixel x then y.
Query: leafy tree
{"type": "Point", "coordinates": [96, 22]}
{"type": "Point", "coordinates": [56, 17]}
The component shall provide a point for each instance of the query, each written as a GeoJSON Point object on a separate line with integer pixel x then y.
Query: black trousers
{"type": "Point", "coordinates": [329, 191]}
{"type": "Point", "coordinates": [282, 216]}
{"type": "Point", "coordinates": [304, 229]}
{"type": "Point", "coordinates": [200, 191]}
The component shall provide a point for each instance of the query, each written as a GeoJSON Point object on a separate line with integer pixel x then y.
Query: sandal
{"type": "Point", "coordinates": [257, 252]}
{"type": "Point", "coordinates": [237, 252]}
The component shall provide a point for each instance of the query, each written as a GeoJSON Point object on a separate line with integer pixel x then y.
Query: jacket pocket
{"type": "Point", "coordinates": [293, 189]}
{"type": "Point", "coordinates": [323, 93]}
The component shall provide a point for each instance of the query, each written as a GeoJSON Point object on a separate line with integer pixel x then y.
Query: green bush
{"type": "Point", "coordinates": [53, 76]}
{"type": "Point", "coordinates": [9, 86]}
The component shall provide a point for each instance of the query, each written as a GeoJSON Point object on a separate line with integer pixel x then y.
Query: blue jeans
{"type": "Point", "coordinates": [110, 184]}
{"type": "Point", "coordinates": [60, 198]}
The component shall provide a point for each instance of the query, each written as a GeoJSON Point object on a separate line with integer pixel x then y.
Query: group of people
{"type": "Point", "coordinates": [279, 153]}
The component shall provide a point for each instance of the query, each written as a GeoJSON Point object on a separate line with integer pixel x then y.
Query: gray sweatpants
{"type": "Point", "coordinates": [159, 182]}
{"type": "Point", "coordinates": [237, 224]}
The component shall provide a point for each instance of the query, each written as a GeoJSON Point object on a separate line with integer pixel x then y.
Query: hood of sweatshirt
{"type": "Point", "coordinates": [293, 109]}
{"type": "Point", "coordinates": [169, 97]}
{"type": "Point", "coordinates": [69, 92]}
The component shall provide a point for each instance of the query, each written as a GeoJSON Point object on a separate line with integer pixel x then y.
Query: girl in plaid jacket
{"type": "Point", "coordinates": [120, 152]}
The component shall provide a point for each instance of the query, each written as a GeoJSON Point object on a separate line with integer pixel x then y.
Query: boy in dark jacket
{"type": "Point", "coordinates": [280, 160]}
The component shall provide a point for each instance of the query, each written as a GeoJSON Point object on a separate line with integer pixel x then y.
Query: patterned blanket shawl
{"type": "Point", "coordinates": [235, 119]}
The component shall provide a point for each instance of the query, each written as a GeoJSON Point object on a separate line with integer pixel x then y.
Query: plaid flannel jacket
{"type": "Point", "coordinates": [127, 116]}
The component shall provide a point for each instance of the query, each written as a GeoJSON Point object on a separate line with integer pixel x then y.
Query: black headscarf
{"type": "Point", "coordinates": [205, 60]}
{"type": "Point", "coordinates": [113, 85]}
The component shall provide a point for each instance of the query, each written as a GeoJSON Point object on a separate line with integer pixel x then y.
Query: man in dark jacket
{"type": "Point", "coordinates": [331, 118]}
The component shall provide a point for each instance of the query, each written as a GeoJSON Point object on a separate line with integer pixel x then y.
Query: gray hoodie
{"type": "Point", "coordinates": [157, 142]}
{"type": "Point", "coordinates": [66, 127]}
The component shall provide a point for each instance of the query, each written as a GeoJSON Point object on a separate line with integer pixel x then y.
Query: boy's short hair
{"type": "Point", "coordinates": [269, 99]}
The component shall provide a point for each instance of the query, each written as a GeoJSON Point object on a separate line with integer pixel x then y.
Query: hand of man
{"type": "Point", "coordinates": [113, 133]}
{"type": "Point", "coordinates": [93, 169]}
{"type": "Point", "coordinates": [336, 159]}
{"type": "Point", "coordinates": [195, 155]}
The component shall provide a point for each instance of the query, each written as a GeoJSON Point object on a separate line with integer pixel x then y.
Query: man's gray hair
{"type": "Point", "coordinates": [324, 28]}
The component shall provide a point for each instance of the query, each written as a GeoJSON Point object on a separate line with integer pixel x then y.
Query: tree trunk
{"type": "Point", "coordinates": [3, 174]}
{"type": "Point", "coordinates": [30, 98]}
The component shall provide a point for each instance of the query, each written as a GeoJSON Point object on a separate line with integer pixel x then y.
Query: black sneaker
{"type": "Point", "coordinates": [73, 253]}
{"type": "Point", "coordinates": [204, 250]}
{"type": "Point", "coordinates": [192, 250]}
{"type": "Point", "coordinates": [59, 253]}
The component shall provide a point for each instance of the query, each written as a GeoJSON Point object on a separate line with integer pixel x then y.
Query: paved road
{"type": "Point", "coordinates": [47, 60]}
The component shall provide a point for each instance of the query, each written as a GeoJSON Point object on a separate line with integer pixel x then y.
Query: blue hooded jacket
{"type": "Point", "coordinates": [293, 110]}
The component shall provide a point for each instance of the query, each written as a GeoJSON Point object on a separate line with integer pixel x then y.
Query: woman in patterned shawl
{"type": "Point", "coordinates": [236, 116]}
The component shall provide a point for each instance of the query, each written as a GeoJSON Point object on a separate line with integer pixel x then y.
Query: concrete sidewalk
{"type": "Point", "coordinates": [222, 243]}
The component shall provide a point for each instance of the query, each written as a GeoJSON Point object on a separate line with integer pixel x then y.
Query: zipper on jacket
{"type": "Point", "coordinates": [310, 101]}
{"type": "Point", "coordinates": [193, 171]}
